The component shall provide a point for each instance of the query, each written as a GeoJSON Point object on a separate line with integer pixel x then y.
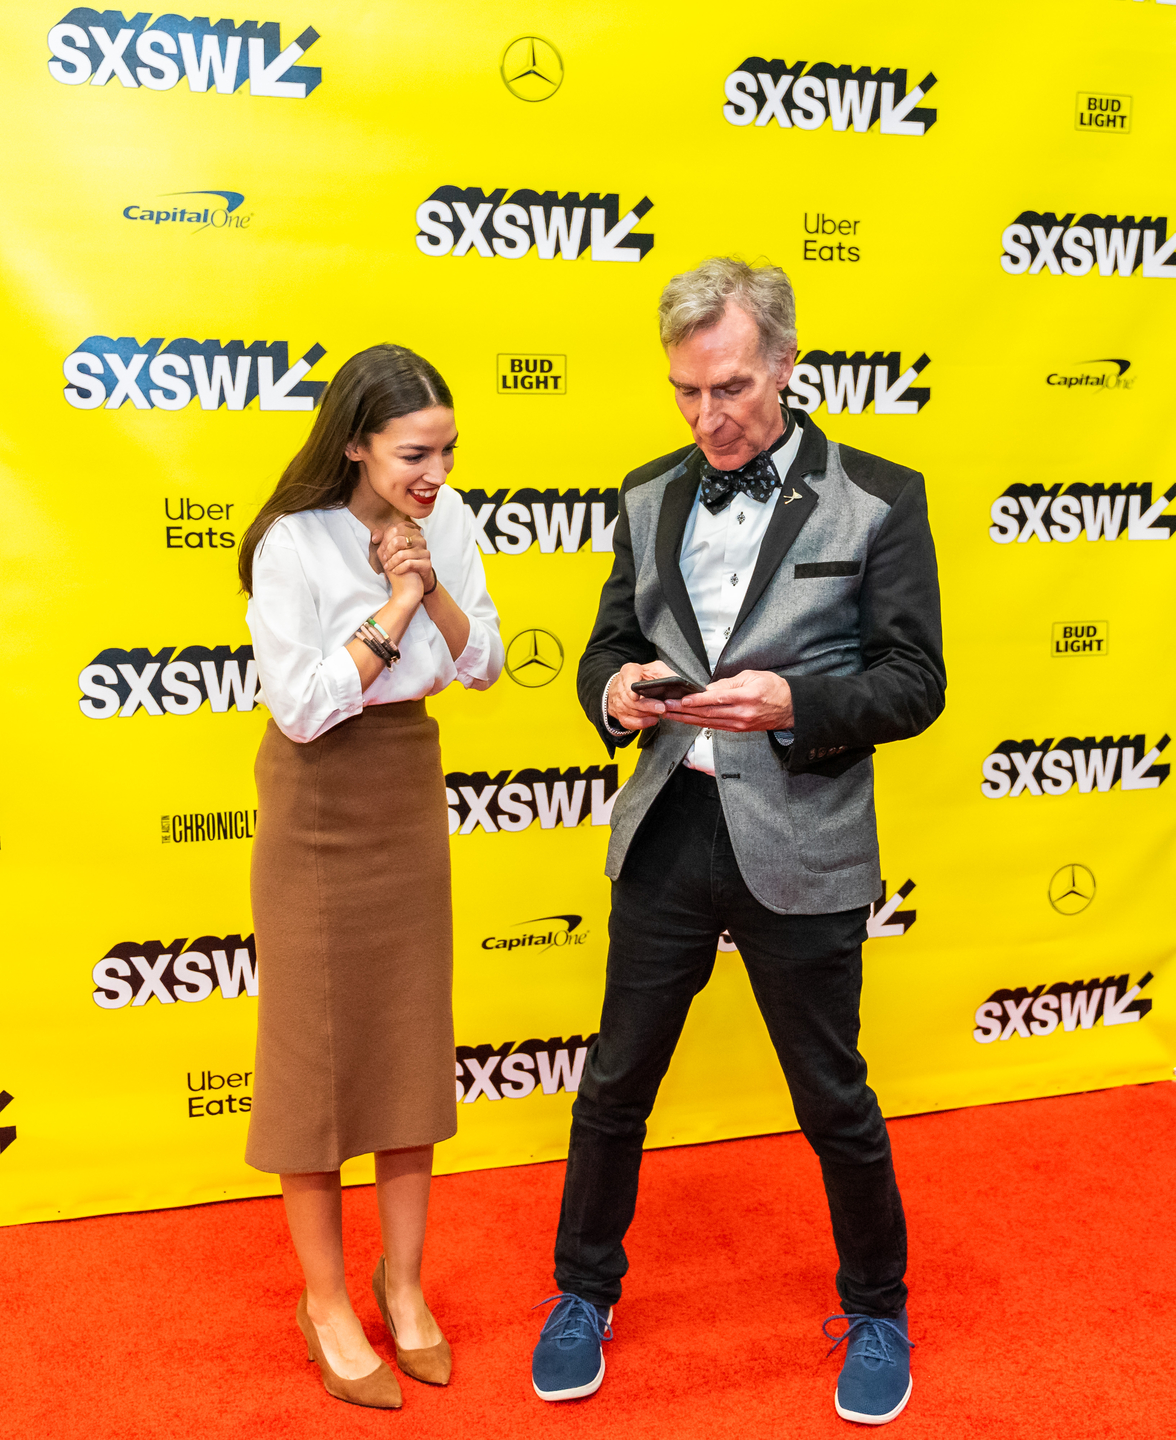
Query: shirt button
{"type": "Point", "coordinates": [741, 517]}
{"type": "Point", "coordinates": [727, 633]}
{"type": "Point", "coordinates": [707, 734]}
{"type": "Point", "coordinates": [734, 579]}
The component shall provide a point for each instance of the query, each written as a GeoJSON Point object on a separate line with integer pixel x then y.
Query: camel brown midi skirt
{"type": "Point", "coordinates": [351, 912]}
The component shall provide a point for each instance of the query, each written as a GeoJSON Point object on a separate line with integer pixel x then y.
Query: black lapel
{"type": "Point", "coordinates": [677, 501]}
{"type": "Point", "coordinates": [787, 520]}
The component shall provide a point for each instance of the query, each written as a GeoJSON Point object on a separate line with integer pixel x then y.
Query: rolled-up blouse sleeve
{"type": "Point", "coordinates": [480, 664]}
{"type": "Point", "coordinates": [306, 691]}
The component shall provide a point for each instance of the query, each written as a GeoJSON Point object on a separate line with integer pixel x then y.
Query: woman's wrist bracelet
{"type": "Point", "coordinates": [433, 586]}
{"type": "Point", "coordinates": [377, 640]}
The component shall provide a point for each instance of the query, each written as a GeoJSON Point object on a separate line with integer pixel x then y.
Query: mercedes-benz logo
{"type": "Point", "coordinates": [531, 68]}
{"type": "Point", "coordinates": [534, 658]}
{"type": "Point", "coordinates": [1072, 889]}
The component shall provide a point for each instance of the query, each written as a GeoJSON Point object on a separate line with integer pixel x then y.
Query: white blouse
{"type": "Point", "coordinates": [313, 585]}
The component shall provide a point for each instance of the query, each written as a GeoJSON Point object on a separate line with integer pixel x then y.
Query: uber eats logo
{"type": "Point", "coordinates": [1035, 512]}
{"type": "Point", "coordinates": [121, 682]}
{"type": "Point", "coordinates": [841, 381]}
{"type": "Point", "coordinates": [453, 221]}
{"type": "Point", "coordinates": [514, 801]}
{"type": "Point", "coordinates": [512, 1072]}
{"type": "Point", "coordinates": [107, 373]}
{"type": "Point", "coordinates": [1046, 767]}
{"type": "Point", "coordinates": [94, 47]}
{"type": "Point", "coordinates": [1044, 243]}
{"type": "Point", "coordinates": [553, 519]}
{"type": "Point", "coordinates": [761, 92]}
{"type": "Point", "coordinates": [1067, 1005]}
{"type": "Point", "coordinates": [133, 973]}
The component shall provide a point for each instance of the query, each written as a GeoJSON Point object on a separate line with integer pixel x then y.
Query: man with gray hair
{"type": "Point", "coordinates": [772, 615]}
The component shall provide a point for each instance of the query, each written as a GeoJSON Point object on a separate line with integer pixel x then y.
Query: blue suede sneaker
{"type": "Point", "coordinates": [568, 1362]}
{"type": "Point", "coordinates": [875, 1381]}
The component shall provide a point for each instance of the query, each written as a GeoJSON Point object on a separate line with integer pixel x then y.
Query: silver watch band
{"type": "Point", "coordinates": [608, 719]}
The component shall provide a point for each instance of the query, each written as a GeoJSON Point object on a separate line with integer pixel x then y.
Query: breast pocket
{"type": "Point", "coordinates": [828, 570]}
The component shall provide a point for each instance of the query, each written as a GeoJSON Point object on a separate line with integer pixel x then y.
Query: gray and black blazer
{"type": "Point", "coordinates": [843, 603]}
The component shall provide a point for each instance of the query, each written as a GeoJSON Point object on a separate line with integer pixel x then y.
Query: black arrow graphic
{"type": "Point", "coordinates": [7, 1132]}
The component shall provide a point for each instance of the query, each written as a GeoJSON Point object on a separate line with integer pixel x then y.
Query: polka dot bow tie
{"type": "Point", "coordinates": [757, 479]}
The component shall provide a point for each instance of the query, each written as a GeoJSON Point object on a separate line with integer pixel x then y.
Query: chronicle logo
{"type": "Point", "coordinates": [211, 217]}
{"type": "Point", "coordinates": [1118, 246]}
{"type": "Point", "coordinates": [120, 682]}
{"type": "Point", "coordinates": [1073, 1005]}
{"type": "Point", "coordinates": [106, 372]}
{"type": "Point", "coordinates": [1028, 512]}
{"type": "Point", "coordinates": [1071, 889]}
{"type": "Point", "coordinates": [841, 381]}
{"type": "Point", "coordinates": [1095, 375]}
{"type": "Point", "coordinates": [512, 802]}
{"type": "Point", "coordinates": [758, 90]}
{"type": "Point", "coordinates": [131, 973]}
{"type": "Point", "coordinates": [511, 1072]}
{"type": "Point", "coordinates": [212, 825]}
{"type": "Point", "coordinates": [886, 919]}
{"type": "Point", "coordinates": [97, 46]}
{"type": "Point", "coordinates": [557, 519]}
{"type": "Point", "coordinates": [1013, 767]}
{"type": "Point", "coordinates": [531, 68]}
{"type": "Point", "coordinates": [550, 223]}
{"type": "Point", "coordinates": [554, 932]}
{"type": "Point", "coordinates": [534, 658]}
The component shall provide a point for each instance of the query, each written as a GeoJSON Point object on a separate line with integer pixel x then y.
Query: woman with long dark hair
{"type": "Point", "coordinates": [367, 594]}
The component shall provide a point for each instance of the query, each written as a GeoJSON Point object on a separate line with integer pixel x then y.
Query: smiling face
{"type": "Point", "coordinates": [406, 463]}
{"type": "Point", "coordinates": [727, 391]}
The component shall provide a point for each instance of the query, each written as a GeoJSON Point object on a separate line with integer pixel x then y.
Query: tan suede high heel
{"type": "Point", "coordinates": [379, 1389]}
{"type": "Point", "coordinates": [434, 1364]}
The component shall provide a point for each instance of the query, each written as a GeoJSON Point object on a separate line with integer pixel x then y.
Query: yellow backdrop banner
{"type": "Point", "coordinates": [203, 221]}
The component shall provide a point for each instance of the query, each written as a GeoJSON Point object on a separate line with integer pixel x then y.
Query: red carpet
{"type": "Point", "coordinates": [1042, 1277]}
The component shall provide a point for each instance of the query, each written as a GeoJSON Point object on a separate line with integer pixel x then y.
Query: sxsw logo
{"type": "Point", "coordinates": [132, 973]}
{"type": "Point", "coordinates": [554, 519]}
{"type": "Point", "coordinates": [841, 381]}
{"type": "Point", "coordinates": [1031, 767]}
{"type": "Point", "coordinates": [97, 46]}
{"type": "Point", "coordinates": [511, 1072]}
{"type": "Point", "coordinates": [762, 91]}
{"type": "Point", "coordinates": [121, 682]}
{"type": "Point", "coordinates": [108, 373]}
{"type": "Point", "coordinates": [1042, 242]}
{"type": "Point", "coordinates": [1070, 1005]}
{"type": "Point", "coordinates": [513, 802]}
{"type": "Point", "coordinates": [453, 221]}
{"type": "Point", "coordinates": [1035, 512]}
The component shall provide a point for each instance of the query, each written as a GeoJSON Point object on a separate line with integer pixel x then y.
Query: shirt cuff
{"type": "Point", "coordinates": [340, 675]}
{"type": "Point", "coordinates": [473, 664]}
{"type": "Point", "coordinates": [784, 736]}
{"type": "Point", "coordinates": [621, 734]}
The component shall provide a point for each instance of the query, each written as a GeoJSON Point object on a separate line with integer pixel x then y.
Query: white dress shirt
{"type": "Point", "coordinates": [718, 557]}
{"type": "Point", "coordinates": [313, 585]}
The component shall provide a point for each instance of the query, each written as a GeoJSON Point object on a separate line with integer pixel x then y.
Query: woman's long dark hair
{"type": "Point", "coordinates": [372, 388]}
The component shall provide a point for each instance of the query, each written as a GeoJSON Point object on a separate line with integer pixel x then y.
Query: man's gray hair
{"type": "Point", "coordinates": [696, 300]}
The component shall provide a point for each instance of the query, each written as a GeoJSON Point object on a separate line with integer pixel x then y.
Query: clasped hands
{"type": "Point", "coordinates": [402, 553]}
{"type": "Point", "coordinates": [751, 700]}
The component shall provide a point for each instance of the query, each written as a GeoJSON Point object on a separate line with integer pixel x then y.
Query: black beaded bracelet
{"type": "Point", "coordinates": [377, 643]}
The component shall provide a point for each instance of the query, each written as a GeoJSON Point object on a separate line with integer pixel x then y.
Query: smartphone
{"type": "Point", "coordinates": [666, 687]}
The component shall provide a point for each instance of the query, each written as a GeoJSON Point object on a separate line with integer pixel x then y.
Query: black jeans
{"type": "Point", "coordinates": [680, 888]}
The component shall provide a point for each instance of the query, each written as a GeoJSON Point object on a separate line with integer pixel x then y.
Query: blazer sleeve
{"type": "Point", "coordinates": [901, 689]}
{"type": "Point", "coordinates": [616, 637]}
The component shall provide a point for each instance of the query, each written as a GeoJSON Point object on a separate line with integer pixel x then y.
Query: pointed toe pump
{"type": "Point", "coordinates": [379, 1390]}
{"type": "Point", "coordinates": [432, 1365]}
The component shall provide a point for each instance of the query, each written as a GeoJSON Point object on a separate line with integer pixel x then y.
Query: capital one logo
{"type": "Point", "coordinates": [1046, 767]}
{"type": "Point", "coordinates": [564, 520]}
{"type": "Point", "coordinates": [840, 381]}
{"type": "Point", "coordinates": [456, 222]}
{"type": "Point", "coordinates": [105, 373]}
{"type": "Point", "coordinates": [123, 682]}
{"type": "Point", "coordinates": [1051, 515]}
{"type": "Point", "coordinates": [1045, 244]}
{"type": "Point", "coordinates": [94, 47]}
{"type": "Point", "coordinates": [765, 92]}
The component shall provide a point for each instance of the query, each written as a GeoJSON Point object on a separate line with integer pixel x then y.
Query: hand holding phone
{"type": "Point", "coordinates": [665, 687]}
